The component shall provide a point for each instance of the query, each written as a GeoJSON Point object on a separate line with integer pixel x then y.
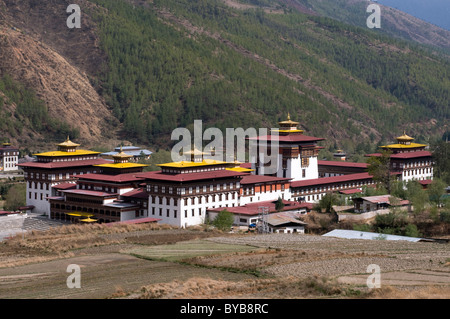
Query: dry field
{"type": "Point", "coordinates": [157, 261]}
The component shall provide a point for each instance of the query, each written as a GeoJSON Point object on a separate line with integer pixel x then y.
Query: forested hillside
{"type": "Point", "coordinates": [170, 62]}
{"type": "Point", "coordinates": [394, 22]}
{"type": "Point", "coordinates": [21, 110]}
{"type": "Point", "coordinates": [137, 69]}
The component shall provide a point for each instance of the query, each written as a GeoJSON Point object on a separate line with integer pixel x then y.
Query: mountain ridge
{"type": "Point", "coordinates": [151, 66]}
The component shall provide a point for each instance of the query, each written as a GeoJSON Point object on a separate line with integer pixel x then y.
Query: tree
{"type": "Point", "coordinates": [379, 168]}
{"type": "Point", "coordinates": [441, 156]}
{"type": "Point", "coordinates": [279, 205]}
{"type": "Point", "coordinates": [224, 220]}
{"type": "Point", "coordinates": [435, 191]}
{"type": "Point", "coordinates": [417, 196]}
{"type": "Point", "coordinates": [327, 202]}
{"type": "Point", "coordinates": [16, 197]}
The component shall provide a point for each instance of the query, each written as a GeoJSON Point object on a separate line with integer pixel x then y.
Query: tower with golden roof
{"type": "Point", "coordinates": [404, 144]}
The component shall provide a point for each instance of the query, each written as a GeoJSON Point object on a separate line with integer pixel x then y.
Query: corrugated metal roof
{"type": "Point", "coordinates": [356, 234]}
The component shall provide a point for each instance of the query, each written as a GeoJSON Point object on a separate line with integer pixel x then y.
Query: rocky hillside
{"type": "Point", "coordinates": [58, 65]}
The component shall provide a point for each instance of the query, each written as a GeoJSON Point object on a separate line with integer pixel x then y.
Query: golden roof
{"type": "Point", "coordinates": [404, 141]}
{"type": "Point", "coordinates": [182, 164]}
{"type": "Point", "coordinates": [405, 137]}
{"type": "Point", "coordinates": [239, 169]}
{"type": "Point", "coordinates": [62, 153]}
{"type": "Point", "coordinates": [411, 145]}
{"type": "Point", "coordinates": [68, 143]}
{"type": "Point", "coordinates": [195, 151]}
{"type": "Point", "coordinates": [121, 165]}
{"type": "Point", "coordinates": [288, 121]}
{"type": "Point", "coordinates": [122, 154]}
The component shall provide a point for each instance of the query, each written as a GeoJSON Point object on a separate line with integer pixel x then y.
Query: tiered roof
{"type": "Point", "coordinates": [404, 142]}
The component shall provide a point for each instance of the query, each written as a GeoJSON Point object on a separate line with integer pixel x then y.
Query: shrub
{"type": "Point", "coordinates": [445, 217]}
{"type": "Point", "coordinates": [224, 220]}
{"type": "Point", "coordinates": [412, 231]}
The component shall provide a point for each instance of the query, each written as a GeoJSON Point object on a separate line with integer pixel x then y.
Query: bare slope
{"type": "Point", "coordinates": [39, 51]}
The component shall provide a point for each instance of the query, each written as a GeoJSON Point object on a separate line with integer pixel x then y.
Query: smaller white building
{"type": "Point", "coordinates": [9, 158]}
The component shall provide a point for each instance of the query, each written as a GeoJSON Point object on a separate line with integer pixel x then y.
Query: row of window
{"type": "Point", "coordinates": [10, 159]}
{"type": "Point", "coordinates": [270, 188]}
{"type": "Point", "coordinates": [195, 170]}
{"type": "Point", "coordinates": [417, 171]}
{"type": "Point", "coordinates": [9, 165]}
{"type": "Point", "coordinates": [38, 185]}
{"type": "Point", "coordinates": [412, 164]}
{"type": "Point", "coordinates": [331, 187]}
{"type": "Point", "coordinates": [36, 195]}
{"type": "Point", "coordinates": [83, 209]}
{"type": "Point", "coordinates": [192, 190]}
{"type": "Point", "coordinates": [9, 153]}
{"type": "Point", "coordinates": [200, 199]}
{"type": "Point", "coordinates": [99, 188]}
{"type": "Point", "coordinates": [52, 177]}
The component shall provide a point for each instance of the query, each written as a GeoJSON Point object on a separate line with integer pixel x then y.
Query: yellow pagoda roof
{"type": "Point", "coordinates": [62, 153]}
{"type": "Point", "coordinates": [195, 151]}
{"type": "Point", "coordinates": [411, 145]}
{"type": "Point", "coordinates": [404, 142]}
{"type": "Point", "coordinates": [405, 137]}
{"type": "Point", "coordinates": [288, 121]}
{"type": "Point", "coordinates": [122, 154]}
{"type": "Point", "coordinates": [287, 131]}
{"type": "Point", "coordinates": [181, 164]}
{"type": "Point", "coordinates": [239, 169]}
{"type": "Point", "coordinates": [68, 143]}
{"type": "Point", "coordinates": [121, 165]}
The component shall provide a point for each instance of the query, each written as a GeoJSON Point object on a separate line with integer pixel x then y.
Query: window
{"type": "Point", "coordinates": [303, 173]}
